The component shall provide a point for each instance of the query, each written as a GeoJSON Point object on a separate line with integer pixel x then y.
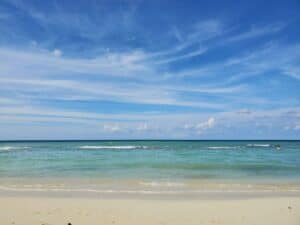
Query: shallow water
{"type": "Point", "coordinates": [150, 167]}
{"type": "Point", "coordinates": [151, 160]}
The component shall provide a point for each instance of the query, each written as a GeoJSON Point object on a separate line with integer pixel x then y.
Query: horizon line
{"type": "Point", "coordinates": [62, 140]}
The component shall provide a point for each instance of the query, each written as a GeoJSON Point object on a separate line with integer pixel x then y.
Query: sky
{"type": "Point", "coordinates": [149, 69]}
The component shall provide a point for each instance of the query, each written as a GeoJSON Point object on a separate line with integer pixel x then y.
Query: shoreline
{"type": "Point", "coordinates": [193, 185]}
{"type": "Point", "coordinates": [154, 193]}
{"type": "Point", "coordinates": [79, 201]}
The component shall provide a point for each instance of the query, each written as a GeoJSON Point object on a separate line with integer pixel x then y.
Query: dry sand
{"type": "Point", "coordinates": [40, 210]}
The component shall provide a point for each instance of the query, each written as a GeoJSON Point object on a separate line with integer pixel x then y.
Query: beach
{"type": "Point", "coordinates": [134, 112]}
{"type": "Point", "coordinates": [42, 210]}
{"type": "Point", "coordinates": [205, 203]}
{"type": "Point", "coordinates": [150, 182]}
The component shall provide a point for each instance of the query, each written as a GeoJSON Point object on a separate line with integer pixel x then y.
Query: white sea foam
{"type": "Point", "coordinates": [221, 147]}
{"type": "Point", "coordinates": [111, 147]}
{"type": "Point", "coordinates": [8, 148]}
{"type": "Point", "coordinates": [259, 145]}
{"type": "Point", "coordinates": [141, 191]}
{"type": "Point", "coordinates": [163, 184]}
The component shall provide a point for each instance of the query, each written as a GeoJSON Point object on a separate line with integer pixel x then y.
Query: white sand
{"type": "Point", "coordinates": [130, 211]}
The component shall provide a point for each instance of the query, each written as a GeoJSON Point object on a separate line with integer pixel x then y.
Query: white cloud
{"type": "Point", "coordinates": [57, 52]}
{"type": "Point", "coordinates": [142, 127]}
{"type": "Point", "coordinates": [295, 127]}
{"type": "Point", "coordinates": [136, 93]}
{"type": "Point", "coordinates": [191, 54]}
{"type": "Point", "coordinates": [292, 71]}
{"type": "Point", "coordinates": [111, 128]}
{"type": "Point", "coordinates": [132, 124]}
{"type": "Point", "coordinates": [257, 32]}
{"type": "Point", "coordinates": [206, 125]}
{"type": "Point", "coordinates": [142, 77]}
{"type": "Point", "coordinates": [201, 31]}
{"type": "Point", "coordinates": [40, 63]}
{"type": "Point", "coordinates": [177, 34]}
{"type": "Point", "coordinates": [202, 126]}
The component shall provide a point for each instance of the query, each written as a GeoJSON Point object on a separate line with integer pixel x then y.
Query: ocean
{"type": "Point", "coordinates": [148, 165]}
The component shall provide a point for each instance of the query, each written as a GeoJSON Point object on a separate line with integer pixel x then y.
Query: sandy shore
{"type": "Point", "coordinates": [38, 210]}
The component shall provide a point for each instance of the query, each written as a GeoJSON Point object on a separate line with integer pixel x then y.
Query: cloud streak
{"type": "Point", "coordinates": [133, 72]}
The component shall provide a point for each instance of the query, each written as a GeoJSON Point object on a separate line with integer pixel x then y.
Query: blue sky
{"type": "Point", "coordinates": [149, 69]}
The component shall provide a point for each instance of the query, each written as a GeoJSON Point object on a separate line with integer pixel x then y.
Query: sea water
{"type": "Point", "coordinates": [149, 163]}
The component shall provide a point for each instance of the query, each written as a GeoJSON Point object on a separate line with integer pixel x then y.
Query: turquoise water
{"type": "Point", "coordinates": [151, 160]}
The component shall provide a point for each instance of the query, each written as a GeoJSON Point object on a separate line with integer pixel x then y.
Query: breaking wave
{"type": "Point", "coordinates": [9, 148]}
{"type": "Point", "coordinates": [111, 147]}
{"type": "Point", "coordinates": [221, 147]}
{"type": "Point", "coordinates": [259, 145]}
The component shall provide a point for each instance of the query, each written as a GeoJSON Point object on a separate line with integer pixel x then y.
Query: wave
{"type": "Point", "coordinates": [8, 148]}
{"type": "Point", "coordinates": [111, 147]}
{"type": "Point", "coordinates": [259, 145]}
{"type": "Point", "coordinates": [222, 147]}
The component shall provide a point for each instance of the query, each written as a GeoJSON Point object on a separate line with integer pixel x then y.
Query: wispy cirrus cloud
{"type": "Point", "coordinates": [143, 93]}
{"type": "Point", "coordinates": [131, 72]}
{"type": "Point", "coordinates": [190, 125]}
{"type": "Point", "coordinates": [256, 32]}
